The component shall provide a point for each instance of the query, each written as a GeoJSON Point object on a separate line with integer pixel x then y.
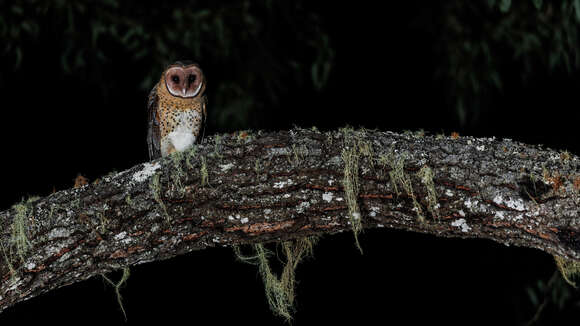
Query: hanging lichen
{"type": "Point", "coordinates": [117, 286]}
{"type": "Point", "coordinates": [204, 173]}
{"type": "Point", "coordinates": [155, 186]}
{"type": "Point", "coordinates": [426, 176]}
{"type": "Point", "coordinates": [399, 178]}
{"type": "Point", "coordinates": [570, 269]}
{"type": "Point", "coordinates": [19, 228]}
{"type": "Point", "coordinates": [351, 189]}
{"type": "Point", "coordinates": [279, 290]}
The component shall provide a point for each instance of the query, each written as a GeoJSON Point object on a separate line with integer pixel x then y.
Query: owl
{"type": "Point", "coordinates": [177, 109]}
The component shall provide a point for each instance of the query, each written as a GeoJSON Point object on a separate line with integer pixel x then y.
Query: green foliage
{"type": "Point", "coordinates": [257, 50]}
{"type": "Point", "coordinates": [480, 44]}
{"type": "Point", "coordinates": [553, 296]}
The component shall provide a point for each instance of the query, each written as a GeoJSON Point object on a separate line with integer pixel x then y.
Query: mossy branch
{"type": "Point", "coordinates": [255, 188]}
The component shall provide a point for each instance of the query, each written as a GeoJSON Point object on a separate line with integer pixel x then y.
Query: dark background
{"type": "Point", "coordinates": [74, 78]}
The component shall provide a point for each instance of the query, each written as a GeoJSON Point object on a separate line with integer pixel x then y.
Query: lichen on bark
{"type": "Point", "coordinates": [285, 185]}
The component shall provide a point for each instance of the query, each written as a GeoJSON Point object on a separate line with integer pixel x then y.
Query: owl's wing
{"type": "Point", "coordinates": [153, 134]}
{"type": "Point", "coordinates": [203, 118]}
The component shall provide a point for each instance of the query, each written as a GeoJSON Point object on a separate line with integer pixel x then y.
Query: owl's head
{"type": "Point", "coordinates": [184, 79]}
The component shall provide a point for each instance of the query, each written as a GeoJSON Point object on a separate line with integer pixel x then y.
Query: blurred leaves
{"type": "Point", "coordinates": [261, 50]}
{"type": "Point", "coordinates": [550, 298]}
{"type": "Point", "coordinates": [481, 44]}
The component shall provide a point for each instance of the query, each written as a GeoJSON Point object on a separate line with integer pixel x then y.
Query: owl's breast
{"type": "Point", "coordinates": [182, 130]}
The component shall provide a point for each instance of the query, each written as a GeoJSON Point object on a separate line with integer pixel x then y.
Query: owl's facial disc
{"type": "Point", "coordinates": [184, 82]}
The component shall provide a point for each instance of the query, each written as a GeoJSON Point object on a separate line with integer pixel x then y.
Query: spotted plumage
{"type": "Point", "coordinates": [177, 109]}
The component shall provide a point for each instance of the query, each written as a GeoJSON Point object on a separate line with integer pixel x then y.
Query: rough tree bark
{"type": "Point", "coordinates": [245, 188]}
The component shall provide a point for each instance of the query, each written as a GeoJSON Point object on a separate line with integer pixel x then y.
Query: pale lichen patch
{"type": "Point", "coordinates": [471, 203]}
{"type": "Point", "coordinates": [225, 167]}
{"type": "Point", "coordinates": [59, 233]}
{"type": "Point", "coordinates": [516, 204]}
{"type": "Point", "coordinates": [147, 171]}
{"type": "Point", "coordinates": [120, 236]}
{"type": "Point", "coordinates": [303, 206]}
{"type": "Point", "coordinates": [327, 196]}
{"type": "Point", "coordinates": [282, 184]}
{"type": "Point", "coordinates": [462, 224]}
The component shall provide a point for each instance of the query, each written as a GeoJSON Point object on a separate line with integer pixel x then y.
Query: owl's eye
{"type": "Point", "coordinates": [175, 78]}
{"type": "Point", "coordinates": [191, 79]}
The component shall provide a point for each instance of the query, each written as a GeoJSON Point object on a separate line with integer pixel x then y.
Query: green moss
{"type": "Point", "coordinates": [155, 186]}
{"type": "Point", "coordinates": [177, 174]}
{"type": "Point", "coordinates": [350, 183]}
{"type": "Point", "coordinates": [569, 269]}
{"type": "Point", "coordinates": [8, 259]}
{"type": "Point", "coordinates": [216, 150]}
{"type": "Point", "coordinates": [76, 203]}
{"type": "Point", "coordinates": [565, 156]}
{"type": "Point", "coordinates": [296, 155]}
{"type": "Point", "coordinates": [33, 199]}
{"type": "Point", "coordinates": [330, 138]}
{"type": "Point", "coordinates": [400, 178]}
{"type": "Point", "coordinates": [103, 222]}
{"type": "Point", "coordinates": [426, 176]}
{"type": "Point", "coordinates": [356, 148]}
{"type": "Point", "coordinates": [117, 286]}
{"type": "Point", "coordinates": [19, 228]}
{"type": "Point", "coordinates": [189, 155]}
{"type": "Point", "coordinates": [204, 173]}
{"type": "Point", "coordinates": [128, 200]}
{"type": "Point", "coordinates": [279, 290]}
{"type": "Point", "coordinates": [19, 244]}
{"type": "Point", "coordinates": [257, 166]}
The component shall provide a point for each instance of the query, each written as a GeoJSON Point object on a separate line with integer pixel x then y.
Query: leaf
{"type": "Point", "coordinates": [532, 296]}
{"type": "Point", "coordinates": [537, 3]}
{"type": "Point", "coordinates": [17, 9]}
{"type": "Point", "coordinates": [504, 5]}
{"type": "Point", "coordinates": [496, 80]}
{"type": "Point", "coordinates": [461, 114]}
{"type": "Point", "coordinates": [553, 59]}
{"type": "Point", "coordinates": [96, 30]}
{"type": "Point", "coordinates": [577, 9]}
{"type": "Point", "coordinates": [18, 53]}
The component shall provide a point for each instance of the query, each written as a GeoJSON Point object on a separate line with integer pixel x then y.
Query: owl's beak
{"type": "Point", "coordinates": [184, 92]}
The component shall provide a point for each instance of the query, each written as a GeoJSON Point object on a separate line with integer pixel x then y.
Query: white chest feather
{"type": "Point", "coordinates": [184, 134]}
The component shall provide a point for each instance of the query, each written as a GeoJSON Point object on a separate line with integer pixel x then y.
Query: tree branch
{"type": "Point", "coordinates": [246, 188]}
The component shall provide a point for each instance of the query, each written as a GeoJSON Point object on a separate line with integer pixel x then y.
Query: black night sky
{"type": "Point", "coordinates": [74, 79]}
